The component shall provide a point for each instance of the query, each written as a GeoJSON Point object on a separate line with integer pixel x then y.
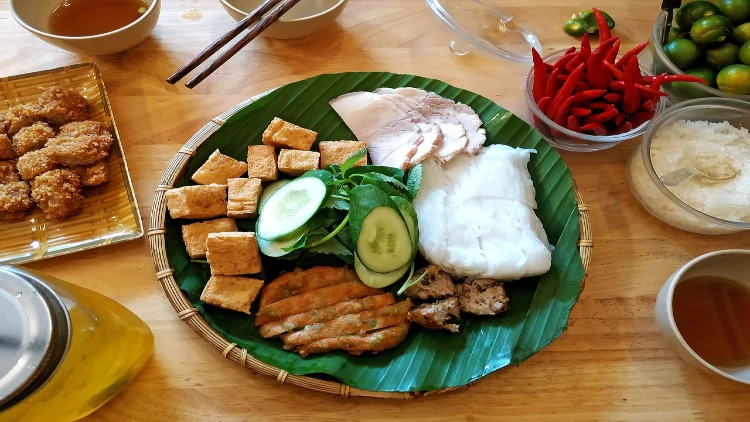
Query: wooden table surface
{"type": "Point", "coordinates": [611, 364]}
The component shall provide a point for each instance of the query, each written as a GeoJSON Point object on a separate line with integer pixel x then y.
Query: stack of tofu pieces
{"type": "Point", "coordinates": [223, 195]}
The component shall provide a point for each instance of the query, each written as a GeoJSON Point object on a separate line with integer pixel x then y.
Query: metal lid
{"type": "Point", "coordinates": [483, 27]}
{"type": "Point", "coordinates": [34, 331]}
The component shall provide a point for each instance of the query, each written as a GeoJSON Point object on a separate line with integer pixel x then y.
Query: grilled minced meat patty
{"type": "Point", "coordinates": [437, 284]}
{"type": "Point", "coordinates": [482, 296]}
{"type": "Point", "coordinates": [437, 315]}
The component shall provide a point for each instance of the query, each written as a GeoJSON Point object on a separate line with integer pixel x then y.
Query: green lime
{"type": "Point", "coordinates": [691, 12]}
{"type": "Point", "coordinates": [675, 33]}
{"type": "Point", "coordinates": [722, 56]}
{"type": "Point", "coordinates": [575, 27]}
{"type": "Point", "coordinates": [734, 79]}
{"type": "Point", "coordinates": [738, 11]}
{"type": "Point", "coordinates": [744, 53]}
{"type": "Point", "coordinates": [682, 52]}
{"type": "Point", "coordinates": [590, 19]}
{"type": "Point", "coordinates": [705, 73]}
{"type": "Point", "coordinates": [741, 34]}
{"type": "Point", "coordinates": [711, 30]}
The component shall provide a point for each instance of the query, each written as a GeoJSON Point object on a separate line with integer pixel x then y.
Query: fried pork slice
{"type": "Point", "coordinates": [482, 296]}
{"type": "Point", "coordinates": [8, 172]}
{"type": "Point", "coordinates": [34, 163]}
{"type": "Point", "coordinates": [376, 341]}
{"type": "Point", "coordinates": [300, 281]}
{"type": "Point", "coordinates": [81, 150]}
{"type": "Point", "coordinates": [14, 200]}
{"type": "Point", "coordinates": [32, 138]}
{"type": "Point", "coordinates": [93, 175]}
{"type": "Point", "coordinates": [437, 284]}
{"type": "Point", "coordinates": [58, 193]}
{"type": "Point", "coordinates": [3, 125]}
{"type": "Point", "coordinates": [88, 127]}
{"type": "Point", "coordinates": [6, 148]}
{"type": "Point", "coordinates": [327, 313]}
{"type": "Point", "coordinates": [437, 315]}
{"type": "Point", "coordinates": [313, 299]}
{"type": "Point", "coordinates": [60, 105]}
{"type": "Point", "coordinates": [361, 322]}
{"type": "Point", "coordinates": [20, 116]}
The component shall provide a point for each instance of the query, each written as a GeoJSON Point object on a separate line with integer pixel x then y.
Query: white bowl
{"type": "Point", "coordinates": [34, 15]}
{"type": "Point", "coordinates": [306, 18]}
{"type": "Point", "coordinates": [733, 264]}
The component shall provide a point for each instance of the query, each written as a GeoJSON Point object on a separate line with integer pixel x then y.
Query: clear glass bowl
{"type": "Point", "coordinates": [567, 139]}
{"type": "Point", "coordinates": [651, 192]}
{"type": "Point", "coordinates": [661, 64]}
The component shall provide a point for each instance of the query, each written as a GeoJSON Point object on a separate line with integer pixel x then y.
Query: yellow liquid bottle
{"type": "Point", "coordinates": [74, 348]}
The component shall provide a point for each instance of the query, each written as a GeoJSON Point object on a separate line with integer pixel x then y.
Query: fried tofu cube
{"type": "Point", "coordinates": [194, 235]}
{"type": "Point", "coordinates": [281, 134]}
{"type": "Point", "coordinates": [261, 163]}
{"type": "Point", "coordinates": [234, 293]}
{"type": "Point", "coordinates": [294, 163]}
{"type": "Point", "coordinates": [243, 197]}
{"type": "Point", "coordinates": [233, 253]}
{"type": "Point", "coordinates": [6, 148]}
{"type": "Point", "coordinates": [218, 168]}
{"type": "Point", "coordinates": [204, 201]}
{"type": "Point", "coordinates": [336, 152]}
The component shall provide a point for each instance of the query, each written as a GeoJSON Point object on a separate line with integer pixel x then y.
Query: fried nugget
{"type": "Point", "coordinates": [327, 313]}
{"type": "Point", "coordinates": [58, 193]}
{"type": "Point", "coordinates": [376, 341]}
{"type": "Point", "coordinates": [93, 175]}
{"type": "Point", "coordinates": [298, 281]}
{"type": "Point", "coordinates": [3, 125]}
{"type": "Point", "coordinates": [34, 163]}
{"type": "Point", "coordinates": [32, 138]}
{"type": "Point", "coordinates": [81, 150]}
{"type": "Point", "coordinates": [437, 315]}
{"type": "Point", "coordinates": [60, 105]}
{"type": "Point", "coordinates": [8, 172]}
{"type": "Point", "coordinates": [436, 284]}
{"type": "Point", "coordinates": [14, 200]}
{"type": "Point", "coordinates": [20, 116]}
{"type": "Point", "coordinates": [6, 148]}
{"type": "Point", "coordinates": [88, 127]}
{"type": "Point", "coordinates": [312, 300]}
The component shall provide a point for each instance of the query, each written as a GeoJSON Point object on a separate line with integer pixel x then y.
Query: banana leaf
{"type": "Point", "coordinates": [426, 360]}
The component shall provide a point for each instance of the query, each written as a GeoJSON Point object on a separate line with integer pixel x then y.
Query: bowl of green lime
{"type": "Point", "coordinates": [710, 40]}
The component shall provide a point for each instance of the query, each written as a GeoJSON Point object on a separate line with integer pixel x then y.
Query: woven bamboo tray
{"type": "Point", "coordinates": [110, 212]}
{"type": "Point", "coordinates": [191, 316]}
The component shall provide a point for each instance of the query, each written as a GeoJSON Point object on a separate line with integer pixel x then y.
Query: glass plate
{"type": "Point", "coordinates": [110, 212]}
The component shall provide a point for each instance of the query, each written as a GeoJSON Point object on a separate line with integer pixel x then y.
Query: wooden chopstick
{"type": "Point", "coordinates": [259, 27]}
{"type": "Point", "coordinates": [209, 51]}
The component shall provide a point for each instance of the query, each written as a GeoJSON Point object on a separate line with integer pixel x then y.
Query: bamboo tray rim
{"type": "Point", "coordinates": [192, 317]}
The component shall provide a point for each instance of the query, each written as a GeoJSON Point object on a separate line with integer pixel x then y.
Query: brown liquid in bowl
{"type": "Point", "coordinates": [81, 18]}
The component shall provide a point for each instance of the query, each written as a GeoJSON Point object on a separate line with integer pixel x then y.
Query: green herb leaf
{"type": "Point", "coordinates": [352, 160]}
{"type": "Point", "coordinates": [337, 202]}
{"type": "Point", "coordinates": [388, 179]}
{"type": "Point", "coordinates": [324, 175]}
{"type": "Point", "coordinates": [414, 180]}
{"type": "Point", "coordinates": [333, 247]}
{"type": "Point", "coordinates": [387, 171]}
{"type": "Point", "coordinates": [390, 190]}
{"type": "Point", "coordinates": [299, 244]}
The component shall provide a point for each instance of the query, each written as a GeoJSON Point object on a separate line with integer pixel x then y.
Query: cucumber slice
{"type": "Point", "coordinates": [275, 248]}
{"type": "Point", "coordinates": [269, 190]}
{"type": "Point", "coordinates": [410, 217]}
{"type": "Point", "coordinates": [377, 280]}
{"type": "Point", "coordinates": [384, 244]}
{"type": "Point", "coordinates": [290, 207]}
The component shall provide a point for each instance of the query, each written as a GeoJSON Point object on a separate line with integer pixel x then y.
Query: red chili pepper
{"type": "Point", "coordinates": [581, 86]}
{"type": "Point", "coordinates": [562, 61]}
{"type": "Point", "coordinates": [619, 118]}
{"type": "Point", "coordinates": [617, 73]}
{"type": "Point", "coordinates": [597, 129]}
{"type": "Point", "coordinates": [613, 98]}
{"type": "Point", "coordinates": [626, 57]}
{"type": "Point", "coordinates": [601, 21]}
{"type": "Point", "coordinates": [573, 124]}
{"type": "Point", "coordinates": [634, 70]}
{"type": "Point", "coordinates": [570, 50]}
{"type": "Point", "coordinates": [585, 48]}
{"type": "Point", "coordinates": [579, 111]}
{"type": "Point", "coordinates": [599, 78]}
{"type": "Point", "coordinates": [602, 117]}
{"type": "Point", "coordinates": [622, 128]}
{"type": "Point", "coordinates": [549, 67]}
{"type": "Point", "coordinates": [561, 117]}
{"type": "Point", "coordinates": [571, 65]}
{"type": "Point", "coordinates": [551, 88]}
{"type": "Point", "coordinates": [631, 101]}
{"type": "Point", "coordinates": [543, 104]}
{"type": "Point", "coordinates": [684, 78]}
{"type": "Point", "coordinates": [648, 105]}
{"type": "Point", "coordinates": [540, 76]}
{"type": "Point", "coordinates": [565, 92]}
{"type": "Point", "coordinates": [612, 53]}
{"type": "Point", "coordinates": [656, 85]}
{"type": "Point", "coordinates": [597, 105]}
{"type": "Point", "coordinates": [641, 117]}
{"type": "Point", "coordinates": [585, 97]}
{"type": "Point", "coordinates": [620, 86]}
{"type": "Point", "coordinates": [649, 79]}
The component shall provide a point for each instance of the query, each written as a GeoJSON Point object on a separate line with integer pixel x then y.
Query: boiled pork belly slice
{"type": "Point", "coordinates": [394, 145]}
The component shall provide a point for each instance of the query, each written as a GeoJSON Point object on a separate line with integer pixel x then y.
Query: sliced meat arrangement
{"type": "Point", "coordinates": [328, 308]}
{"type": "Point", "coordinates": [404, 126]}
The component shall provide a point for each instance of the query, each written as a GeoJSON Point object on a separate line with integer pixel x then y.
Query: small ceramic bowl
{"type": "Point", "coordinates": [34, 15]}
{"type": "Point", "coordinates": [733, 264]}
{"type": "Point", "coordinates": [306, 18]}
